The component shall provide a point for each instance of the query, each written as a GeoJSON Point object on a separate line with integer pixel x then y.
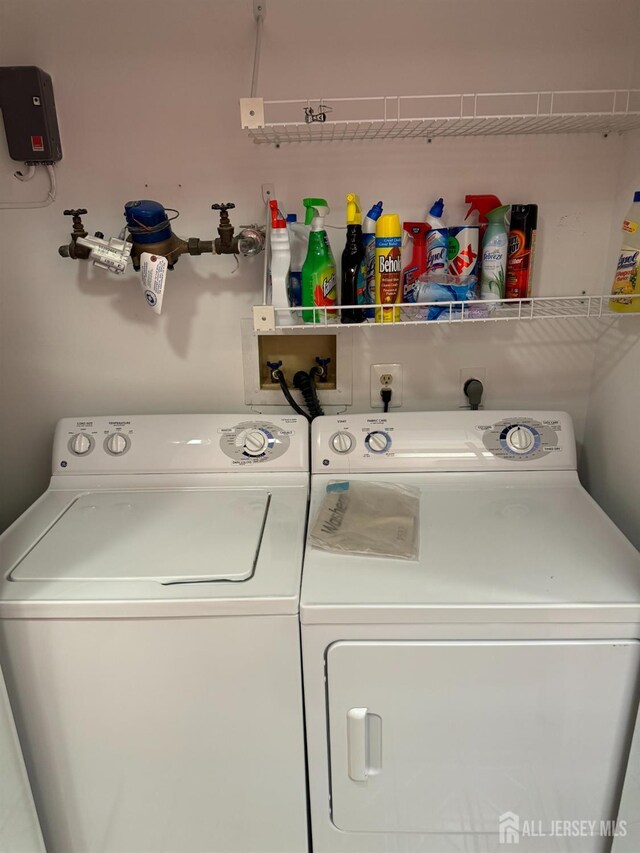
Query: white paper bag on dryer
{"type": "Point", "coordinates": [365, 518]}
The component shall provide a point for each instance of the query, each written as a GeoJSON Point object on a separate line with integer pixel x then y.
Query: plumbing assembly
{"type": "Point", "coordinates": [147, 239]}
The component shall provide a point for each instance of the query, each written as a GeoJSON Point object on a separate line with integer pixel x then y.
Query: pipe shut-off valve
{"type": "Point", "coordinates": [149, 242]}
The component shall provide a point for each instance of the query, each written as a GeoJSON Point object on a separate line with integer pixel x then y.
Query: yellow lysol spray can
{"type": "Point", "coordinates": [388, 267]}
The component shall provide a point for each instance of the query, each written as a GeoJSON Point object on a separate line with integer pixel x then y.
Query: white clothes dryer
{"type": "Point", "coordinates": [484, 696]}
{"type": "Point", "coordinates": [149, 635]}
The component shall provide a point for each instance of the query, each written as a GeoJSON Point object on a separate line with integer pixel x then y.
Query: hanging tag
{"type": "Point", "coordinates": [153, 273]}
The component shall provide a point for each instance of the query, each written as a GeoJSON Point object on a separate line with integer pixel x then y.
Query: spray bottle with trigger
{"type": "Point", "coordinates": [417, 232]}
{"type": "Point", "coordinates": [319, 268]}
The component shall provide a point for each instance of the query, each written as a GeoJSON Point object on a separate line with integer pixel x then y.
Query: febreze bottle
{"type": "Point", "coordinates": [388, 267]}
{"type": "Point", "coordinates": [494, 254]}
{"type": "Point", "coordinates": [319, 268]}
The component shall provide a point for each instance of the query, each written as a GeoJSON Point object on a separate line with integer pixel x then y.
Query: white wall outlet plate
{"type": "Point", "coordinates": [386, 376]}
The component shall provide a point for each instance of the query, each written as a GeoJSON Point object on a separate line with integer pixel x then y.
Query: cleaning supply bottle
{"type": "Point", "coordinates": [319, 268]}
{"type": "Point", "coordinates": [388, 266]}
{"type": "Point", "coordinates": [626, 284]}
{"type": "Point", "coordinates": [298, 241]}
{"type": "Point", "coordinates": [279, 266]}
{"type": "Point", "coordinates": [437, 239]}
{"type": "Point", "coordinates": [351, 292]}
{"type": "Point", "coordinates": [522, 244]}
{"type": "Point", "coordinates": [479, 206]}
{"type": "Point", "coordinates": [494, 254]}
{"type": "Point", "coordinates": [368, 268]}
{"type": "Point", "coordinates": [412, 271]}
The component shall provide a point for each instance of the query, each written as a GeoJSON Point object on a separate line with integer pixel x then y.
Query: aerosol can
{"type": "Point", "coordinates": [626, 285]}
{"type": "Point", "coordinates": [388, 267]}
{"type": "Point", "coordinates": [494, 254]}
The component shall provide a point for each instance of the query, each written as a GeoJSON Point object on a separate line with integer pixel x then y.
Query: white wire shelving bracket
{"type": "Point", "coordinates": [429, 116]}
{"type": "Point", "coordinates": [268, 319]}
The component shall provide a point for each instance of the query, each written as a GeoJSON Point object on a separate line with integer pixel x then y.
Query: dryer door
{"type": "Point", "coordinates": [448, 736]}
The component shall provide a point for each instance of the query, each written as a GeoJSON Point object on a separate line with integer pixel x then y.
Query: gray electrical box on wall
{"type": "Point", "coordinates": [29, 114]}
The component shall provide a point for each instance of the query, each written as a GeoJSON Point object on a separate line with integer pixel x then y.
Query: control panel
{"type": "Point", "coordinates": [254, 441]}
{"type": "Point", "coordinates": [521, 438]}
{"type": "Point", "coordinates": [168, 443]}
{"type": "Point", "coordinates": [443, 441]}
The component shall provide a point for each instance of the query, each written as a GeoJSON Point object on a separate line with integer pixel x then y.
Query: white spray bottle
{"type": "Point", "coordinates": [279, 267]}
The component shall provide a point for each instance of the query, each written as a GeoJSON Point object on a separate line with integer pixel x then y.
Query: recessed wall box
{"type": "Point", "coordinates": [29, 114]}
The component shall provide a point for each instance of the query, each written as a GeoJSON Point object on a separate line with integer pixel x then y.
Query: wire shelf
{"type": "Point", "coordinates": [475, 311]}
{"type": "Point", "coordinates": [429, 116]}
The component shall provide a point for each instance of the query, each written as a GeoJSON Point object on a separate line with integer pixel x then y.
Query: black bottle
{"type": "Point", "coordinates": [352, 258]}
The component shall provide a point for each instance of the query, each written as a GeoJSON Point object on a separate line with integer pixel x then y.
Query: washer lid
{"type": "Point", "coordinates": [163, 536]}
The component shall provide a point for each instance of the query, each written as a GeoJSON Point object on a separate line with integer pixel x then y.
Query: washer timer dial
{"type": "Point", "coordinates": [255, 441]}
{"type": "Point", "coordinates": [252, 442]}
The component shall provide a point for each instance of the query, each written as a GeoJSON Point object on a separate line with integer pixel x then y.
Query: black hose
{"type": "Point", "coordinates": [278, 375]}
{"type": "Point", "coordinates": [305, 383]}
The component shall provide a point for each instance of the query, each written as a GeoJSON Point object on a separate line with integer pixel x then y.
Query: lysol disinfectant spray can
{"type": "Point", "coordinates": [388, 267]}
{"type": "Point", "coordinates": [626, 285]}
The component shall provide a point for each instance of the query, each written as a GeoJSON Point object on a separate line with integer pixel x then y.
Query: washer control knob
{"type": "Point", "coordinates": [117, 444]}
{"type": "Point", "coordinates": [342, 442]}
{"type": "Point", "coordinates": [80, 444]}
{"type": "Point", "coordinates": [255, 442]}
{"type": "Point", "coordinates": [520, 439]}
{"type": "Point", "coordinates": [378, 442]}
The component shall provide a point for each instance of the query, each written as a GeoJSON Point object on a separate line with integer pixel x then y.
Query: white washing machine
{"type": "Point", "coordinates": [474, 699]}
{"type": "Point", "coordinates": [150, 639]}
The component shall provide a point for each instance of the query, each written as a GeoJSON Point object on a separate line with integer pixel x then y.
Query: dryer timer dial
{"type": "Point", "coordinates": [520, 439]}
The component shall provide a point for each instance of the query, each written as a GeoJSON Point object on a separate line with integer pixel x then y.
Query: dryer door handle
{"type": "Point", "coordinates": [357, 743]}
{"type": "Point", "coordinates": [364, 744]}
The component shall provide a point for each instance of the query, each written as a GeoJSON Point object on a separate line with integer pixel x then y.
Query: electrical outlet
{"type": "Point", "coordinates": [386, 376]}
{"type": "Point", "coordinates": [467, 373]}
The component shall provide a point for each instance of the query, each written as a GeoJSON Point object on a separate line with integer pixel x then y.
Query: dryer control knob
{"type": "Point", "coordinates": [520, 439]}
{"type": "Point", "coordinates": [342, 442]}
{"type": "Point", "coordinates": [255, 442]}
{"type": "Point", "coordinates": [378, 442]}
{"type": "Point", "coordinates": [117, 444]}
{"type": "Point", "coordinates": [80, 444]}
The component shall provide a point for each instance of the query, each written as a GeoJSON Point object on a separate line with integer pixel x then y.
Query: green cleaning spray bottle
{"type": "Point", "coordinates": [319, 268]}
